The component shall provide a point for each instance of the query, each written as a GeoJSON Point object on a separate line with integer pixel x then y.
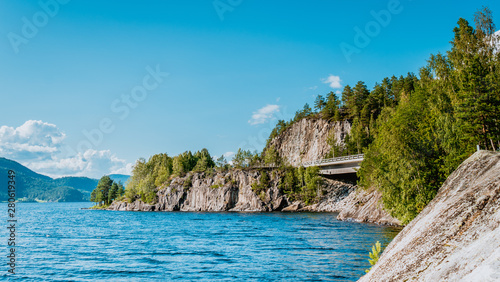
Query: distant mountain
{"type": "Point", "coordinates": [83, 184]}
{"type": "Point", "coordinates": [120, 178]}
{"type": "Point", "coordinates": [32, 186]}
{"type": "Point", "coordinates": [13, 165]}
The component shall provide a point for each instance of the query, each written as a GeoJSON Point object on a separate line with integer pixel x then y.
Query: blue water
{"type": "Point", "coordinates": [60, 241]}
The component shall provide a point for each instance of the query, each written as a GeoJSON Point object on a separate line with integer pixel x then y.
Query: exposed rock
{"type": "Point", "coordinates": [334, 192]}
{"type": "Point", "coordinates": [456, 236]}
{"type": "Point", "coordinates": [232, 191]}
{"type": "Point", "coordinates": [229, 191]}
{"type": "Point", "coordinates": [306, 140]}
{"type": "Point", "coordinates": [295, 206]}
{"type": "Point", "coordinates": [365, 206]}
{"type": "Point", "coordinates": [135, 206]}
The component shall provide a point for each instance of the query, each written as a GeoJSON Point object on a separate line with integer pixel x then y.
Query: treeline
{"type": "Point", "coordinates": [300, 183]}
{"type": "Point", "coordinates": [161, 168]}
{"type": "Point", "coordinates": [358, 105]}
{"type": "Point", "coordinates": [106, 191]}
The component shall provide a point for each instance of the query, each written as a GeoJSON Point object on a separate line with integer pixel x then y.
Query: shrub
{"type": "Point", "coordinates": [374, 255]}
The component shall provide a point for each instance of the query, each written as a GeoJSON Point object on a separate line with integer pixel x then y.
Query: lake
{"type": "Point", "coordinates": [62, 241]}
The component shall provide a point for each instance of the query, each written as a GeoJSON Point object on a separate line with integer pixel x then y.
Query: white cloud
{"type": "Point", "coordinates": [338, 92]}
{"type": "Point", "coordinates": [312, 87]}
{"type": "Point", "coordinates": [34, 139]}
{"type": "Point", "coordinates": [127, 169]}
{"type": "Point", "coordinates": [264, 114]}
{"type": "Point", "coordinates": [334, 81]}
{"type": "Point", "coordinates": [91, 163]}
{"type": "Point", "coordinates": [37, 145]}
{"type": "Point", "coordinates": [228, 154]}
{"type": "Point", "coordinates": [229, 157]}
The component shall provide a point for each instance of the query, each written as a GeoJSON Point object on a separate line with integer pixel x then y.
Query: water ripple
{"type": "Point", "coordinates": [62, 242]}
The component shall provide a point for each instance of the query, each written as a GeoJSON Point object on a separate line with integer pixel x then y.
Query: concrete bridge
{"type": "Point", "coordinates": [339, 165]}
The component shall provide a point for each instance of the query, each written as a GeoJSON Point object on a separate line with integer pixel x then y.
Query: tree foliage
{"type": "Point", "coordinates": [245, 158]}
{"type": "Point", "coordinates": [106, 191]}
{"type": "Point", "coordinates": [452, 108]}
{"type": "Point", "coordinates": [301, 183]}
{"type": "Point", "coordinates": [147, 176]}
{"type": "Point", "coordinates": [374, 255]}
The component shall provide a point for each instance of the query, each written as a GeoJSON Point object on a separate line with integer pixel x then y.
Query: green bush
{"type": "Point", "coordinates": [374, 255]}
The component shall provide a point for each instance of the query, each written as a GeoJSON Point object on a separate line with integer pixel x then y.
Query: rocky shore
{"type": "Point", "coordinates": [305, 140]}
{"type": "Point", "coordinates": [457, 235]}
{"type": "Point", "coordinates": [232, 191]}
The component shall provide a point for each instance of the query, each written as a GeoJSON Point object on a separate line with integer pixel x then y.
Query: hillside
{"type": "Point", "coordinates": [32, 186]}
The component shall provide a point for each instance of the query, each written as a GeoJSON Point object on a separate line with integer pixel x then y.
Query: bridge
{"type": "Point", "coordinates": [338, 165]}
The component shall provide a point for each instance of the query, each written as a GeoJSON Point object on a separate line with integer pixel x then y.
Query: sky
{"type": "Point", "coordinates": [88, 87]}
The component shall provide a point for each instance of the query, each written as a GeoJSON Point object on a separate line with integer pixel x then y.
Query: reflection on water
{"type": "Point", "coordinates": [62, 241]}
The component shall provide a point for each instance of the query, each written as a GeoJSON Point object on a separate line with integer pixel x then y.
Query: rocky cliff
{"type": "Point", "coordinates": [232, 191]}
{"type": "Point", "coordinates": [306, 140]}
{"type": "Point", "coordinates": [456, 236]}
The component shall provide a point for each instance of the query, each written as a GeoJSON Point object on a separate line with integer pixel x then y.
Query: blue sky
{"type": "Point", "coordinates": [233, 68]}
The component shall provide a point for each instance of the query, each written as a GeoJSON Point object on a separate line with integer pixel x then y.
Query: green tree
{"type": "Point", "coordinates": [305, 112]}
{"type": "Point", "coordinates": [290, 181]}
{"type": "Point", "coordinates": [331, 109]}
{"type": "Point", "coordinates": [319, 103]}
{"type": "Point", "coordinates": [374, 255]}
{"type": "Point", "coordinates": [178, 166]}
{"type": "Point", "coordinates": [348, 101]}
{"type": "Point", "coordinates": [93, 196]}
{"type": "Point", "coordinates": [121, 189]}
{"type": "Point", "coordinates": [222, 163]}
{"type": "Point", "coordinates": [473, 64]}
{"type": "Point", "coordinates": [271, 156]}
{"type": "Point", "coordinates": [113, 192]}
{"type": "Point", "coordinates": [243, 158]}
{"type": "Point", "coordinates": [102, 190]}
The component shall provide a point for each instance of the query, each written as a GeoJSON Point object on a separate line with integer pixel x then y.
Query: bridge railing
{"type": "Point", "coordinates": [333, 160]}
{"type": "Point", "coordinates": [265, 166]}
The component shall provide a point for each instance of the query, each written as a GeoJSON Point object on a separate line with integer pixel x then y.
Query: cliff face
{"type": "Point", "coordinates": [230, 191]}
{"type": "Point", "coordinates": [306, 140]}
{"type": "Point", "coordinates": [457, 236]}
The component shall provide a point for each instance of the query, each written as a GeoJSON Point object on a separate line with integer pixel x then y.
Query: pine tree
{"type": "Point", "coordinates": [113, 192]}
{"type": "Point", "coordinates": [102, 189]}
{"type": "Point", "coordinates": [319, 103]}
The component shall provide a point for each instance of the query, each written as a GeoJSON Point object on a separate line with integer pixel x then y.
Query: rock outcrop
{"type": "Point", "coordinates": [456, 236]}
{"type": "Point", "coordinates": [230, 191]}
{"type": "Point", "coordinates": [365, 206]}
{"type": "Point", "coordinates": [306, 140]}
